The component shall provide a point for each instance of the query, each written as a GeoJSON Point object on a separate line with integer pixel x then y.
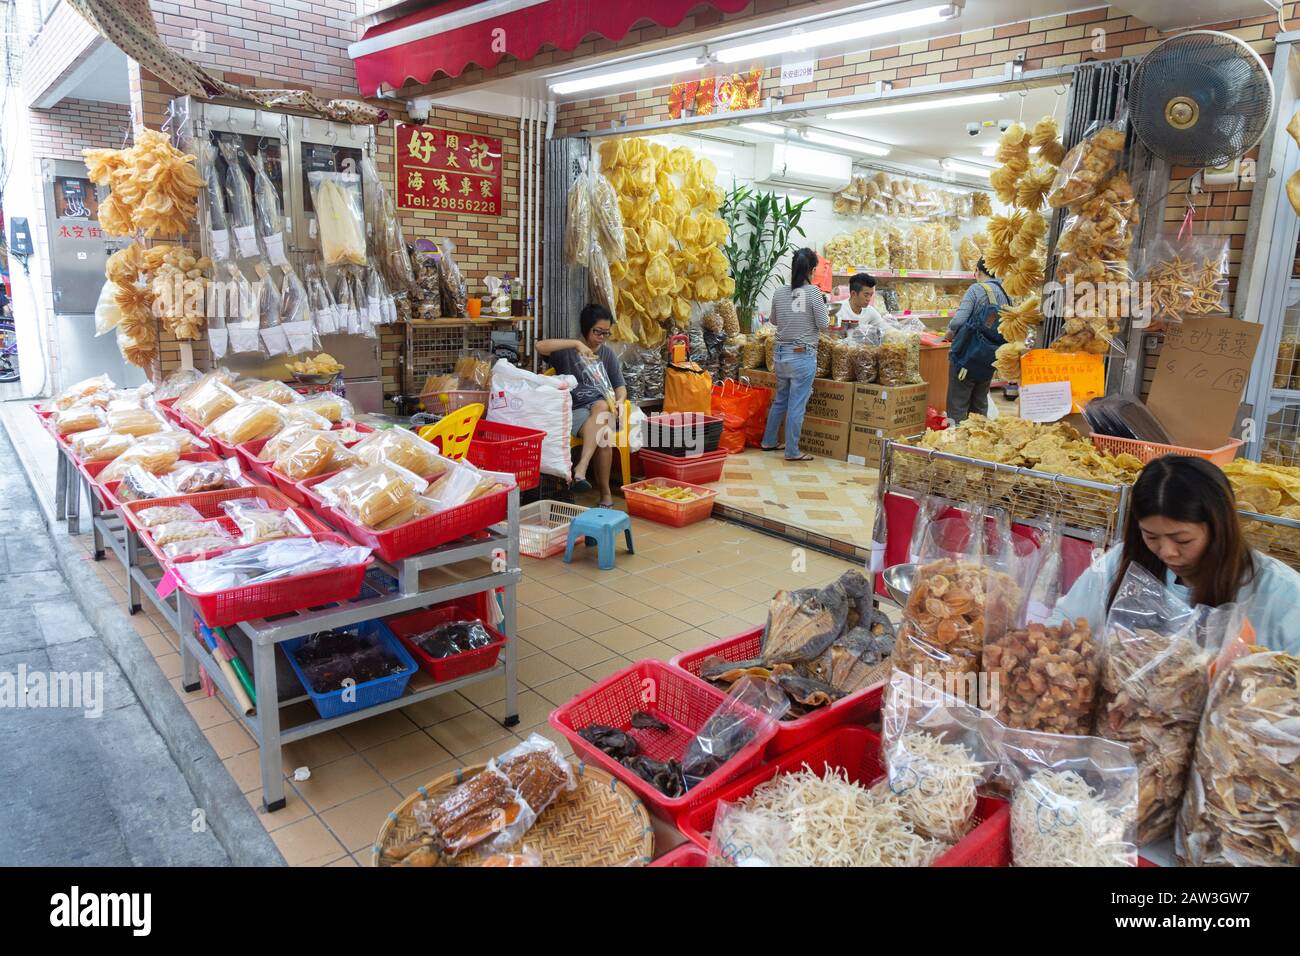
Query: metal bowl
{"type": "Point", "coordinates": [313, 379]}
{"type": "Point", "coordinates": [898, 581]}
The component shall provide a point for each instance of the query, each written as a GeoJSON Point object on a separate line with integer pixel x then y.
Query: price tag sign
{"type": "Point", "coordinates": [1045, 402]}
{"type": "Point", "coordinates": [902, 273]}
{"type": "Point", "coordinates": [1084, 372]}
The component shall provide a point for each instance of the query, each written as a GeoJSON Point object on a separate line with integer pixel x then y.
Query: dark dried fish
{"type": "Point", "coordinates": [643, 721]}
{"type": "Point", "coordinates": [809, 693]}
{"type": "Point", "coordinates": [611, 740]}
{"type": "Point", "coordinates": [667, 777]}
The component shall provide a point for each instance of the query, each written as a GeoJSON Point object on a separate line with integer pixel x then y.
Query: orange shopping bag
{"type": "Point", "coordinates": [738, 405]}
{"type": "Point", "coordinates": [687, 388]}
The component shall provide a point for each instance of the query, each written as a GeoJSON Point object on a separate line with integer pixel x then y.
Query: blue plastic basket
{"type": "Point", "coordinates": [369, 693]}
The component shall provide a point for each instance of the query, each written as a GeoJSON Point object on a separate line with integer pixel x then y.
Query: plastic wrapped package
{"type": "Point", "coordinates": [600, 282]}
{"type": "Point", "coordinates": [268, 561]}
{"type": "Point", "coordinates": [842, 353]}
{"type": "Point", "coordinates": [742, 837]}
{"type": "Point", "coordinates": [577, 224]}
{"type": "Point", "coordinates": [1242, 792]}
{"type": "Point", "coordinates": [270, 215]}
{"type": "Point", "coordinates": [388, 247]}
{"type": "Point", "coordinates": [78, 418]}
{"type": "Point", "coordinates": [1048, 676]}
{"type": "Point", "coordinates": [85, 392]}
{"type": "Point", "coordinates": [403, 448]}
{"type": "Point", "coordinates": [730, 361]}
{"type": "Point", "coordinates": [458, 484]}
{"type": "Point", "coordinates": [486, 806]}
{"type": "Point", "coordinates": [296, 414]}
{"type": "Point", "coordinates": [1074, 800]}
{"type": "Point", "coordinates": [257, 522]}
{"type": "Point", "coordinates": [218, 220]}
{"type": "Point", "coordinates": [331, 407]}
{"type": "Point", "coordinates": [452, 638]}
{"type": "Point", "coordinates": [313, 453]}
{"type": "Point", "coordinates": [133, 420]}
{"type": "Point", "coordinates": [100, 444]}
{"type": "Point", "coordinates": [175, 532]}
{"type": "Point", "coordinates": [340, 218]}
{"type": "Point", "coordinates": [275, 338]}
{"type": "Point", "coordinates": [1154, 683]}
{"type": "Point", "coordinates": [154, 453]}
{"type": "Point", "coordinates": [606, 218]}
{"type": "Point", "coordinates": [451, 281]}
{"type": "Point", "coordinates": [253, 419]}
{"type": "Point", "coordinates": [137, 484]}
{"type": "Point", "coordinates": [320, 302]}
{"type": "Point", "coordinates": [864, 364]}
{"type": "Point", "coordinates": [192, 477]}
{"type": "Point", "coordinates": [346, 317]}
{"type": "Point", "coordinates": [165, 514]}
{"type": "Point", "coordinates": [1188, 277]}
{"type": "Point", "coordinates": [209, 401]}
{"type": "Point", "coordinates": [1087, 165]}
{"type": "Point", "coordinates": [107, 314]}
{"type": "Point", "coordinates": [938, 750]}
{"type": "Point", "coordinates": [892, 360]}
{"type": "Point", "coordinates": [270, 390]}
{"type": "Point", "coordinates": [539, 773]}
{"type": "Point", "coordinates": [291, 432]}
{"type": "Point", "coordinates": [751, 705]}
{"type": "Point", "coordinates": [373, 494]}
{"type": "Point", "coordinates": [239, 199]}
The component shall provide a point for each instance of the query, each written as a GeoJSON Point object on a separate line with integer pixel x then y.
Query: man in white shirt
{"type": "Point", "coordinates": [859, 308]}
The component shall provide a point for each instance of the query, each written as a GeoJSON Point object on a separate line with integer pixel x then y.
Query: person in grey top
{"type": "Point", "coordinates": [966, 395]}
{"type": "Point", "coordinates": [593, 419]}
{"type": "Point", "coordinates": [799, 314]}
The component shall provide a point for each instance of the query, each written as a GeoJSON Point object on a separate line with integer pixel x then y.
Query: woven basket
{"type": "Point", "coordinates": [602, 823]}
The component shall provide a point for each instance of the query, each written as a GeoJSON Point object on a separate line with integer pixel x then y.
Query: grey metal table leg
{"type": "Point", "coordinates": [74, 500]}
{"type": "Point", "coordinates": [189, 666]}
{"type": "Point", "coordinates": [61, 485]}
{"type": "Point", "coordinates": [95, 512]}
{"type": "Point", "coordinates": [268, 712]}
{"type": "Point", "coordinates": [510, 610]}
{"type": "Point", "coordinates": [132, 560]}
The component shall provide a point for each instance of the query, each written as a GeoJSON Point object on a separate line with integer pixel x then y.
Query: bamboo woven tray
{"type": "Point", "coordinates": [602, 823]}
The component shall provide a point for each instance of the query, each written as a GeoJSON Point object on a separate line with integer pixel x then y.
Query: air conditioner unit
{"type": "Point", "coordinates": [783, 164]}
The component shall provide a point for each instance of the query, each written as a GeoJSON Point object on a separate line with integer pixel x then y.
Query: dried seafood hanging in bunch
{"type": "Point", "coordinates": [1243, 791]}
{"type": "Point", "coordinates": [137, 336]}
{"type": "Point", "coordinates": [154, 187]}
{"type": "Point", "coordinates": [180, 286]}
{"type": "Point", "coordinates": [1015, 321]}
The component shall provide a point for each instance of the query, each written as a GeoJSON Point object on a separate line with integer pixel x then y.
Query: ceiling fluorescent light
{"type": "Point", "coordinates": [917, 106]}
{"type": "Point", "coordinates": [844, 142]}
{"type": "Point", "coordinates": [620, 77]}
{"type": "Point", "coordinates": [968, 169]}
{"type": "Point", "coordinates": [772, 129]}
{"type": "Point", "coordinates": [843, 33]}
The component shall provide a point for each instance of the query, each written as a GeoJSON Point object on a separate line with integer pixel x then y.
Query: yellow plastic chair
{"type": "Point", "coordinates": [454, 433]}
{"type": "Point", "coordinates": [620, 442]}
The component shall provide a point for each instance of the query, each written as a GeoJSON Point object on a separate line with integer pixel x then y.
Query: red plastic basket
{"type": "Point", "coordinates": [679, 700]}
{"type": "Point", "coordinates": [675, 513]}
{"type": "Point", "coordinates": [856, 708]}
{"type": "Point", "coordinates": [416, 536]}
{"type": "Point", "coordinates": [700, 470]}
{"type": "Point", "coordinates": [181, 419]}
{"type": "Point", "coordinates": [497, 446]}
{"type": "Point", "coordinates": [253, 601]}
{"type": "Point", "coordinates": [107, 491]}
{"type": "Point", "coordinates": [688, 854]}
{"type": "Point", "coordinates": [857, 750]}
{"type": "Point", "coordinates": [248, 452]}
{"type": "Point", "coordinates": [408, 626]}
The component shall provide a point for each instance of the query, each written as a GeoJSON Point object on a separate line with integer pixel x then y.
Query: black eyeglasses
{"type": "Point", "coordinates": [602, 333]}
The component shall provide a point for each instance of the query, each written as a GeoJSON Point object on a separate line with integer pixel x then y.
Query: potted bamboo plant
{"type": "Point", "coordinates": [762, 227]}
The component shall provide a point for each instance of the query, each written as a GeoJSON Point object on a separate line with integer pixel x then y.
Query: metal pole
{"type": "Point", "coordinates": [268, 712]}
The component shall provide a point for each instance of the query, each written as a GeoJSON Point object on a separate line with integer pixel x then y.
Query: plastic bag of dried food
{"type": "Point", "coordinates": [1088, 165]}
{"type": "Point", "coordinates": [577, 226]}
{"type": "Point", "coordinates": [296, 314]}
{"type": "Point", "coordinates": [842, 353]}
{"type": "Point", "coordinates": [455, 293]}
{"type": "Point", "coordinates": [730, 364]}
{"type": "Point", "coordinates": [100, 444]}
{"type": "Point", "coordinates": [539, 772]}
{"type": "Point", "coordinates": [742, 837]}
{"type": "Point", "coordinates": [600, 282]}
{"type": "Point", "coordinates": [1074, 800]}
{"type": "Point", "coordinates": [163, 514]}
{"type": "Point", "coordinates": [257, 521]}
{"type": "Point", "coordinates": [892, 360]}
{"type": "Point", "coordinates": [247, 421]}
{"type": "Point", "coordinates": [1243, 791]}
{"type": "Point", "coordinates": [486, 806]}
{"type": "Point", "coordinates": [336, 198]}
{"type": "Point", "coordinates": [825, 347]}
{"type": "Point", "coordinates": [752, 706]}
{"type": "Point", "coordinates": [937, 750]}
{"type": "Point", "coordinates": [209, 401]}
{"type": "Point", "coordinates": [607, 218]}
{"type": "Point", "coordinates": [218, 220]}
{"type": "Point", "coordinates": [751, 352]}
{"type": "Point", "coordinates": [320, 302]}
{"type": "Point", "coordinates": [78, 418]}
{"type": "Point", "coordinates": [192, 477]}
{"type": "Point", "coordinates": [1154, 682]}
{"type": "Point", "coordinates": [864, 364]}
{"type": "Point", "coordinates": [270, 216]}
{"type": "Point", "coordinates": [239, 199]}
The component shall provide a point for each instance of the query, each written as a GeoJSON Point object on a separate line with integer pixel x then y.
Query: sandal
{"type": "Point", "coordinates": [580, 484]}
{"type": "Point", "coordinates": [605, 504]}
{"type": "Point", "coordinates": [771, 448]}
{"type": "Point", "coordinates": [801, 458]}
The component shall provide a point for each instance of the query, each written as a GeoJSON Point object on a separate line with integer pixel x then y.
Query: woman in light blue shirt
{"type": "Point", "coordinates": [1183, 528]}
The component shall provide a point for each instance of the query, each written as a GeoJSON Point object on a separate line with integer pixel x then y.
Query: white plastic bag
{"type": "Point", "coordinates": [543, 402]}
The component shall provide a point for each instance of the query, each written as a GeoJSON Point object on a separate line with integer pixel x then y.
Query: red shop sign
{"type": "Point", "coordinates": [447, 171]}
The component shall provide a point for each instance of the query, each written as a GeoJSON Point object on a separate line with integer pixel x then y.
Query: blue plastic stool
{"type": "Point", "coordinates": [599, 526]}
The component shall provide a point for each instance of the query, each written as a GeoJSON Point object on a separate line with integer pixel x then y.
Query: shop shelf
{"type": "Point", "coordinates": [1146, 451]}
{"type": "Point", "coordinates": [406, 627]}
{"type": "Point", "coordinates": [681, 701]}
{"type": "Point", "coordinates": [683, 433]}
{"type": "Point", "coordinates": [544, 527]}
{"type": "Point", "coordinates": [857, 751]}
{"type": "Point", "coordinates": [368, 693]}
{"type": "Point", "coordinates": [497, 446]}
{"type": "Point", "coordinates": [697, 470]}
{"type": "Point", "coordinates": [675, 513]}
{"type": "Point", "coordinates": [856, 708]}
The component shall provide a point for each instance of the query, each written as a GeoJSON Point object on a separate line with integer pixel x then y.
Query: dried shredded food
{"type": "Point", "coordinates": [1058, 820]}
{"type": "Point", "coordinates": [1153, 690]}
{"type": "Point", "coordinates": [1243, 796]}
{"type": "Point", "coordinates": [830, 821]}
{"type": "Point", "coordinates": [935, 783]}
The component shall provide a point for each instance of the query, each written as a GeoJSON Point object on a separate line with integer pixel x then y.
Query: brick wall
{"type": "Point", "coordinates": [63, 43]}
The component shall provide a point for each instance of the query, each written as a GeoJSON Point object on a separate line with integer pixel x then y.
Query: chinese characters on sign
{"type": "Point", "coordinates": [721, 94]}
{"type": "Point", "coordinates": [80, 232]}
{"type": "Point", "coordinates": [447, 171]}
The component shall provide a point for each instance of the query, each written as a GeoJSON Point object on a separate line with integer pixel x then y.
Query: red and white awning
{"type": "Point", "coordinates": [448, 37]}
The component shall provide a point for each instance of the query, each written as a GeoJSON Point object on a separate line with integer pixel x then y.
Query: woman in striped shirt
{"type": "Point", "coordinates": [799, 314]}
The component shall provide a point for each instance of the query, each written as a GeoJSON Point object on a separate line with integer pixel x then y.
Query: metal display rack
{"type": "Point", "coordinates": [434, 577]}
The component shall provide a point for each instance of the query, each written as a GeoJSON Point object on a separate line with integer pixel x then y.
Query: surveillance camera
{"type": "Point", "coordinates": [972, 129]}
{"type": "Point", "coordinates": [1004, 125]}
{"type": "Point", "coordinates": [418, 109]}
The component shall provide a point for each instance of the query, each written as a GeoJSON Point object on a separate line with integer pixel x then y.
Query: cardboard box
{"type": "Point", "coordinates": [824, 438]}
{"type": "Point", "coordinates": [866, 443]}
{"type": "Point", "coordinates": [830, 400]}
{"type": "Point", "coordinates": [880, 406]}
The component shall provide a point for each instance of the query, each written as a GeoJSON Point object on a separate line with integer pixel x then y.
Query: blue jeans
{"type": "Point", "coordinates": [795, 372]}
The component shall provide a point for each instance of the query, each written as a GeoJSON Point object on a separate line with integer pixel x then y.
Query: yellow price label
{"type": "Point", "coordinates": [943, 313]}
{"type": "Point", "coordinates": [902, 273]}
{"type": "Point", "coordinates": [1084, 371]}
